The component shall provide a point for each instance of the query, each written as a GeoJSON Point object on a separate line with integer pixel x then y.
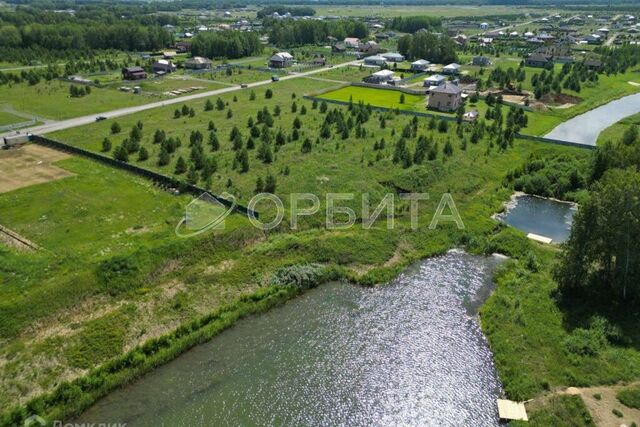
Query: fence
{"type": "Point", "coordinates": [163, 180]}
{"type": "Point", "coordinates": [556, 141]}
{"type": "Point", "coordinates": [17, 125]}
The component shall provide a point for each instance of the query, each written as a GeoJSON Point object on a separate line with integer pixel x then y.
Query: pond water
{"type": "Point", "coordinates": [586, 127]}
{"type": "Point", "coordinates": [407, 353]}
{"type": "Point", "coordinates": [545, 217]}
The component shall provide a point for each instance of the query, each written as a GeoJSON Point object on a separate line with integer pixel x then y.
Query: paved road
{"type": "Point", "coordinates": [84, 120]}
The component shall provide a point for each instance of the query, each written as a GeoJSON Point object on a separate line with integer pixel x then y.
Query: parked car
{"type": "Point", "coordinates": [275, 78]}
{"type": "Point", "coordinates": [100, 118]}
{"type": "Point", "coordinates": [244, 86]}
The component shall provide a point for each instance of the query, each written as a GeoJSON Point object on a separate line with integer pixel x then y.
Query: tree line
{"type": "Point", "coordinates": [411, 24]}
{"type": "Point", "coordinates": [429, 46]}
{"type": "Point", "coordinates": [287, 33]}
{"type": "Point", "coordinates": [228, 44]}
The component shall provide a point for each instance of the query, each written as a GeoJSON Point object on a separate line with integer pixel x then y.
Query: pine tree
{"type": "Point", "coordinates": [244, 161]}
{"type": "Point", "coordinates": [268, 94]}
{"type": "Point", "coordinates": [181, 166]}
{"type": "Point", "coordinates": [143, 154]}
{"type": "Point", "coordinates": [164, 158]}
{"type": "Point", "coordinates": [219, 104]}
{"type": "Point", "coordinates": [306, 146]}
{"type": "Point", "coordinates": [121, 153]}
{"type": "Point", "coordinates": [270, 183]}
{"type": "Point", "coordinates": [208, 106]}
{"type": "Point", "coordinates": [106, 145]}
{"type": "Point", "coordinates": [259, 186]}
{"type": "Point", "coordinates": [115, 128]}
{"type": "Point", "coordinates": [192, 175]}
{"type": "Point", "coordinates": [213, 141]}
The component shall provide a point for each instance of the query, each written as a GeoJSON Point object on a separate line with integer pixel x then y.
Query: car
{"type": "Point", "coordinates": [244, 85]}
{"type": "Point", "coordinates": [275, 78]}
{"type": "Point", "coordinates": [100, 118]}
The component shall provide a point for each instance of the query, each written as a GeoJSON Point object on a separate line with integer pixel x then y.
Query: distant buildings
{"type": "Point", "coordinates": [369, 47]}
{"type": "Point", "coordinates": [380, 77]}
{"type": "Point", "coordinates": [198, 63]}
{"type": "Point", "coordinates": [133, 73]}
{"type": "Point", "coordinates": [537, 60]}
{"type": "Point", "coordinates": [481, 61]}
{"type": "Point", "coordinates": [451, 69]}
{"type": "Point", "coordinates": [393, 57]}
{"type": "Point", "coordinates": [352, 42]}
{"type": "Point", "coordinates": [281, 60]}
{"type": "Point", "coordinates": [447, 97]}
{"type": "Point", "coordinates": [435, 80]}
{"type": "Point", "coordinates": [420, 65]}
{"type": "Point", "coordinates": [163, 66]}
{"type": "Point", "coordinates": [376, 60]}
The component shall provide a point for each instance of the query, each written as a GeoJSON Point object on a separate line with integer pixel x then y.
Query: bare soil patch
{"type": "Point", "coordinates": [29, 165]}
{"type": "Point", "coordinates": [560, 99]}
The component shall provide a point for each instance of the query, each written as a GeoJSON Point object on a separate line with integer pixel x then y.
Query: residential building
{"type": "Point", "coordinates": [375, 60]}
{"type": "Point", "coordinates": [281, 60]}
{"type": "Point", "coordinates": [447, 97]}
{"type": "Point", "coordinates": [451, 69]}
{"type": "Point", "coordinates": [198, 63]}
{"type": "Point", "coordinates": [163, 66]}
{"type": "Point", "coordinates": [420, 65]}
{"type": "Point", "coordinates": [481, 61]}
{"type": "Point", "coordinates": [537, 60]}
{"type": "Point", "coordinates": [393, 57]}
{"type": "Point", "coordinates": [352, 42]}
{"type": "Point", "coordinates": [380, 77]}
{"type": "Point", "coordinates": [133, 73]}
{"type": "Point", "coordinates": [369, 47]}
{"type": "Point", "coordinates": [435, 80]}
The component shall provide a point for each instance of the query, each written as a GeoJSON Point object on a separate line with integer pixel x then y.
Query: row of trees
{"type": "Point", "coordinates": [228, 44]}
{"type": "Point", "coordinates": [429, 46]}
{"type": "Point", "coordinates": [128, 36]}
{"type": "Point", "coordinates": [411, 24]}
{"type": "Point", "coordinates": [287, 33]}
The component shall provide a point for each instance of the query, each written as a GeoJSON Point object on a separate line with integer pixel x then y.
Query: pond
{"type": "Point", "coordinates": [544, 217]}
{"type": "Point", "coordinates": [586, 127]}
{"type": "Point", "coordinates": [407, 353]}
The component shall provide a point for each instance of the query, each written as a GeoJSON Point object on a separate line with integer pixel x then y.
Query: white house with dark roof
{"type": "Point", "coordinates": [281, 60]}
{"type": "Point", "coordinates": [380, 77]}
{"type": "Point", "coordinates": [452, 68]}
{"type": "Point", "coordinates": [393, 57]}
{"type": "Point", "coordinates": [435, 80]}
{"type": "Point", "coordinates": [376, 60]}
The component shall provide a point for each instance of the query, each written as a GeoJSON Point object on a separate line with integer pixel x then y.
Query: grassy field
{"type": "Point", "coordinates": [52, 100]}
{"type": "Point", "coordinates": [9, 119]}
{"type": "Point", "coordinates": [614, 133]}
{"type": "Point", "coordinates": [443, 11]}
{"type": "Point", "coordinates": [115, 276]}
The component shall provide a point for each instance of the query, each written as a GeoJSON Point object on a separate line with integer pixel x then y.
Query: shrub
{"type": "Point", "coordinates": [299, 276]}
{"type": "Point", "coordinates": [630, 397]}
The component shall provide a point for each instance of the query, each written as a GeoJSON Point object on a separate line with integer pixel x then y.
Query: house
{"type": "Point", "coordinates": [168, 55]}
{"type": "Point", "coordinates": [537, 60]}
{"type": "Point", "coordinates": [393, 57]}
{"type": "Point", "coordinates": [183, 47]}
{"type": "Point", "coordinates": [163, 66]}
{"type": "Point", "coordinates": [198, 63]}
{"type": "Point", "coordinates": [380, 77]}
{"type": "Point", "coordinates": [383, 36]}
{"type": "Point", "coordinates": [447, 97]}
{"type": "Point", "coordinates": [281, 60]}
{"type": "Point", "coordinates": [435, 80]}
{"type": "Point", "coordinates": [593, 64]}
{"type": "Point", "coordinates": [481, 61]}
{"type": "Point", "coordinates": [451, 69]}
{"type": "Point", "coordinates": [375, 60]}
{"type": "Point", "coordinates": [352, 42]}
{"type": "Point", "coordinates": [370, 47]}
{"type": "Point", "coordinates": [319, 60]}
{"type": "Point", "coordinates": [133, 73]}
{"type": "Point", "coordinates": [420, 65]}
{"type": "Point", "coordinates": [338, 47]}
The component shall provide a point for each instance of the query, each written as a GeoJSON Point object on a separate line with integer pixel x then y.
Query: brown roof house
{"type": "Point", "coordinates": [537, 60]}
{"type": "Point", "coordinates": [447, 97]}
{"type": "Point", "coordinates": [163, 66]}
{"type": "Point", "coordinates": [133, 73]}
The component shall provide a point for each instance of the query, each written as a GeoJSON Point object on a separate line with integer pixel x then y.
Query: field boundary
{"type": "Point", "coordinates": [555, 141]}
{"type": "Point", "coordinates": [163, 180]}
{"type": "Point", "coordinates": [18, 239]}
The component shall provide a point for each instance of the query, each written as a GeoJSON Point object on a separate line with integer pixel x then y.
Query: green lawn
{"type": "Point", "coordinates": [110, 239]}
{"type": "Point", "coordinates": [614, 132]}
{"type": "Point", "coordinates": [9, 119]}
{"type": "Point", "coordinates": [51, 100]}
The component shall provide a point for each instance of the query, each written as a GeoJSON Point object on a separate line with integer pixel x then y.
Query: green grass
{"type": "Point", "coordinates": [630, 397]}
{"type": "Point", "coordinates": [615, 132]}
{"type": "Point", "coordinates": [110, 241]}
{"type": "Point", "coordinates": [9, 119]}
{"type": "Point", "coordinates": [559, 411]}
{"type": "Point", "coordinates": [51, 100]}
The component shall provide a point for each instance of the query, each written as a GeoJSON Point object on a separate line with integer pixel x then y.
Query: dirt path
{"type": "Point", "coordinates": [600, 401]}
